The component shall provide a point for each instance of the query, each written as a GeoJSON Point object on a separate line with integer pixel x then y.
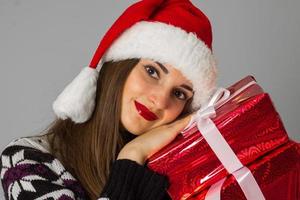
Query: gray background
{"type": "Point", "coordinates": [45, 44]}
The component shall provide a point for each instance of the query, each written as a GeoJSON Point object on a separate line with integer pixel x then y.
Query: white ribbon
{"type": "Point", "coordinates": [214, 191]}
{"type": "Point", "coordinates": [221, 148]}
{"type": "Point", "coordinates": [246, 181]}
{"type": "Point", "coordinates": [208, 110]}
{"type": "Point", "coordinates": [214, 103]}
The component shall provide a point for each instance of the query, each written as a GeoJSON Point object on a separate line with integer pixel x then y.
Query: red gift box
{"type": "Point", "coordinates": [248, 122]}
{"type": "Point", "coordinates": [277, 173]}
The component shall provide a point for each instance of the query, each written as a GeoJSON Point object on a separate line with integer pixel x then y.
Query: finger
{"type": "Point", "coordinates": [183, 121]}
{"type": "Point", "coordinates": [163, 138]}
{"type": "Point", "coordinates": [179, 125]}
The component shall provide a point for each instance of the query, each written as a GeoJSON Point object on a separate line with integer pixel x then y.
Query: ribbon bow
{"type": "Point", "coordinates": [220, 97]}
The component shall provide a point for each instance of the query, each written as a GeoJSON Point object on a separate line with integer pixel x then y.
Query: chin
{"type": "Point", "coordinates": [135, 124]}
{"type": "Point", "coordinates": [135, 130]}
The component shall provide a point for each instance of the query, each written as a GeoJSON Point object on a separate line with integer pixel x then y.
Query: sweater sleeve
{"type": "Point", "coordinates": [130, 180]}
{"type": "Point", "coordinates": [27, 173]}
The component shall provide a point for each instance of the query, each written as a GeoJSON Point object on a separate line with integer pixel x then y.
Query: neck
{"type": "Point", "coordinates": [127, 136]}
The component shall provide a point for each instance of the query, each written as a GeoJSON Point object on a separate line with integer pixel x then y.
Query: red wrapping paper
{"type": "Point", "coordinates": [277, 173]}
{"type": "Point", "coordinates": [249, 123]}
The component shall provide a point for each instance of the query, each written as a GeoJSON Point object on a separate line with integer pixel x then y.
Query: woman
{"type": "Point", "coordinates": [156, 68]}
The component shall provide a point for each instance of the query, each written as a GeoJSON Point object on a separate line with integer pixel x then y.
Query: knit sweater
{"type": "Point", "coordinates": [30, 171]}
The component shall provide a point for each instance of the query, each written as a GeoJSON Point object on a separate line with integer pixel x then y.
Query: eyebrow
{"type": "Point", "coordinates": [187, 87]}
{"type": "Point", "coordinates": [164, 69]}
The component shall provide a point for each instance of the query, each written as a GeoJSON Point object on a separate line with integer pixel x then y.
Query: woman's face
{"type": "Point", "coordinates": [154, 94]}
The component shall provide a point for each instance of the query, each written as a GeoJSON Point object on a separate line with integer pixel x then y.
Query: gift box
{"type": "Point", "coordinates": [247, 120]}
{"type": "Point", "coordinates": [277, 174]}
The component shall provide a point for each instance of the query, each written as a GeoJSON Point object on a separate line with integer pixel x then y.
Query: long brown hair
{"type": "Point", "coordinates": [87, 150]}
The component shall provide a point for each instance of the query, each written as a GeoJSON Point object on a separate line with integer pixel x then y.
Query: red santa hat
{"type": "Point", "coordinates": [168, 31]}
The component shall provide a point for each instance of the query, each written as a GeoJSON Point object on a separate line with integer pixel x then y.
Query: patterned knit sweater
{"type": "Point", "coordinates": [30, 171]}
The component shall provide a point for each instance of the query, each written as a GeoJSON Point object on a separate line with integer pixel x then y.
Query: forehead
{"type": "Point", "coordinates": [168, 70]}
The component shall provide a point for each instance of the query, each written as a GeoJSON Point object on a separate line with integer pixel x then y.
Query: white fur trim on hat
{"type": "Point", "coordinates": [166, 43]}
{"type": "Point", "coordinates": [77, 101]}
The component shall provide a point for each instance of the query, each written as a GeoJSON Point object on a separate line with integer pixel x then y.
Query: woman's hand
{"type": "Point", "coordinates": [145, 145]}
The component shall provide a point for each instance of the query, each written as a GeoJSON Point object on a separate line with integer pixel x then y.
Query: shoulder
{"type": "Point", "coordinates": [36, 142]}
{"type": "Point", "coordinates": [27, 165]}
{"type": "Point", "coordinates": [28, 151]}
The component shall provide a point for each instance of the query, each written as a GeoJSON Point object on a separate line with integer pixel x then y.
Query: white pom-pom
{"type": "Point", "coordinates": [77, 100]}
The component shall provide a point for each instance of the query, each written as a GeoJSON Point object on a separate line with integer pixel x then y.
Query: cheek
{"type": "Point", "coordinates": [134, 87]}
{"type": "Point", "coordinates": [173, 113]}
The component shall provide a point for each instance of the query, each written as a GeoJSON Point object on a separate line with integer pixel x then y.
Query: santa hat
{"type": "Point", "coordinates": [168, 31]}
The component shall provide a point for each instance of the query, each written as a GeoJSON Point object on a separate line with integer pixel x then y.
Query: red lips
{"type": "Point", "coordinates": [145, 112]}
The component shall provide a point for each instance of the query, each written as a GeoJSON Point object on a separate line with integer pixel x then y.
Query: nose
{"type": "Point", "coordinates": [160, 99]}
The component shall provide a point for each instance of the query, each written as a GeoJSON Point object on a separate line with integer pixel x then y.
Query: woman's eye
{"type": "Point", "coordinates": [180, 95]}
{"type": "Point", "coordinates": [152, 71]}
{"type": "Point", "coordinates": [155, 74]}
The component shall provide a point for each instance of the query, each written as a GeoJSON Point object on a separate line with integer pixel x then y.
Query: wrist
{"type": "Point", "coordinates": [131, 154]}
